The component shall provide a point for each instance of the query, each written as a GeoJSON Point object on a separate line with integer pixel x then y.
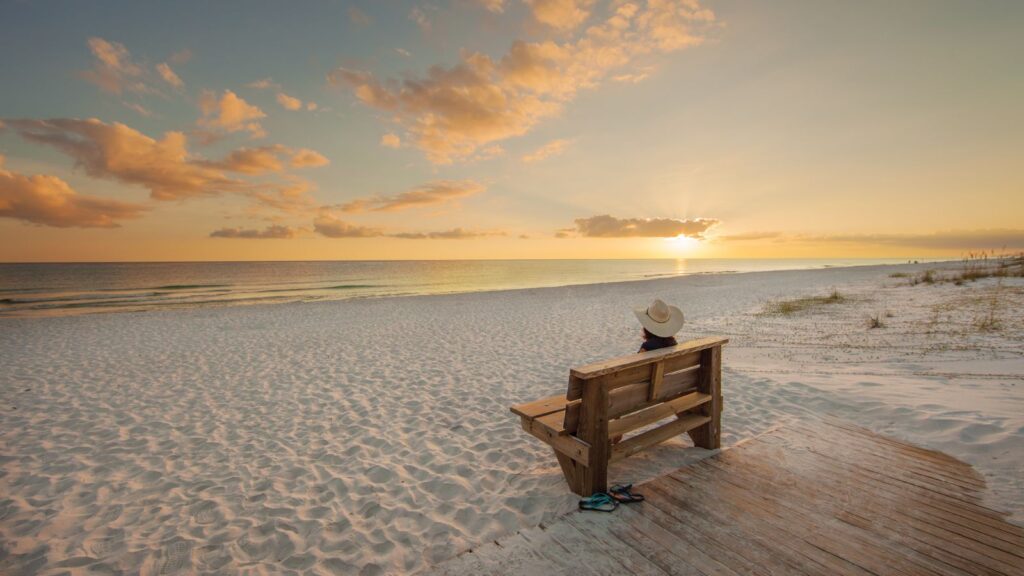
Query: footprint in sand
{"type": "Point", "coordinates": [213, 557]}
{"type": "Point", "coordinates": [206, 512]}
{"type": "Point", "coordinates": [175, 557]}
{"type": "Point", "coordinates": [105, 543]}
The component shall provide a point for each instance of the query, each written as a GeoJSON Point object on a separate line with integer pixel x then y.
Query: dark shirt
{"type": "Point", "coordinates": [656, 342]}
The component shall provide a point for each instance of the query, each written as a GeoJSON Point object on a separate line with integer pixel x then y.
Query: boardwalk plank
{"type": "Point", "coordinates": [817, 497]}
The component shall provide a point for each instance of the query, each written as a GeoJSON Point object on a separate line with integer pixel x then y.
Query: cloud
{"type": "Point", "coordinates": [306, 158]}
{"type": "Point", "coordinates": [332, 227]}
{"type": "Point", "coordinates": [560, 14]}
{"type": "Point", "coordinates": [453, 234]}
{"type": "Point", "coordinates": [252, 160]}
{"type": "Point", "coordinates": [114, 71]}
{"type": "Point", "coordinates": [391, 141]}
{"type": "Point", "coordinates": [358, 17]}
{"type": "Point", "coordinates": [168, 75]}
{"type": "Point", "coordinates": [633, 77]}
{"type": "Point", "coordinates": [403, 52]}
{"type": "Point", "coordinates": [230, 113]}
{"type": "Point", "coordinates": [984, 239]}
{"type": "Point", "coordinates": [268, 233]}
{"type": "Point", "coordinates": [50, 201]}
{"type": "Point", "coordinates": [311, 106]}
{"type": "Point", "coordinates": [496, 6]}
{"type": "Point", "coordinates": [142, 110]}
{"type": "Point", "coordinates": [266, 159]}
{"type": "Point", "coordinates": [750, 236]}
{"type": "Point", "coordinates": [264, 84]}
{"type": "Point", "coordinates": [432, 193]}
{"type": "Point", "coordinates": [553, 148]}
{"type": "Point", "coordinates": [451, 112]}
{"type": "Point", "coordinates": [288, 102]}
{"type": "Point", "coordinates": [420, 18]}
{"type": "Point", "coordinates": [118, 152]}
{"type": "Point", "coordinates": [180, 57]}
{"type": "Point", "coordinates": [165, 167]}
{"type": "Point", "coordinates": [605, 226]}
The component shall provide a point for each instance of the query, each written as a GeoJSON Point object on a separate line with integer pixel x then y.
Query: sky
{"type": "Point", "coordinates": [266, 130]}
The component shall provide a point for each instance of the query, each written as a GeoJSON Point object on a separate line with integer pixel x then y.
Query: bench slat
{"type": "Point", "coordinates": [635, 396]}
{"type": "Point", "coordinates": [627, 448]}
{"type": "Point", "coordinates": [571, 446]}
{"type": "Point", "coordinates": [646, 372]}
{"type": "Point", "coordinates": [616, 364]}
{"type": "Point", "coordinates": [553, 423]}
{"type": "Point", "coordinates": [541, 407]}
{"type": "Point", "coordinates": [657, 412]}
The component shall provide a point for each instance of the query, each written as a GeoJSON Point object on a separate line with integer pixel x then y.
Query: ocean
{"type": "Point", "coordinates": [86, 288]}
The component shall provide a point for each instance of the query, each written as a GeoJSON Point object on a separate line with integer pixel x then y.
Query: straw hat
{"type": "Point", "coordinates": [660, 319]}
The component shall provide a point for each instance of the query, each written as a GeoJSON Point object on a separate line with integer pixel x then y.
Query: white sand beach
{"type": "Point", "coordinates": [373, 436]}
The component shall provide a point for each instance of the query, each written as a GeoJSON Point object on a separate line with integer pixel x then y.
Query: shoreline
{"type": "Point", "coordinates": [375, 434]}
{"type": "Point", "coordinates": [82, 310]}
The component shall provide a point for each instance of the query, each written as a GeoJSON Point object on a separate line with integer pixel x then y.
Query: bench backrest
{"type": "Point", "coordinates": [632, 383]}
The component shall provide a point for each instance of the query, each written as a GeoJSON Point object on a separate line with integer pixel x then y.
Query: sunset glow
{"type": "Point", "coordinates": [507, 129]}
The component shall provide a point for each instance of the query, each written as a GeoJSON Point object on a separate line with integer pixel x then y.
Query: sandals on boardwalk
{"type": "Point", "coordinates": [623, 493]}
{"type": "Point", "coordinates": [609, 501]}
{"type": "Point", "coordinates": [600, 501]}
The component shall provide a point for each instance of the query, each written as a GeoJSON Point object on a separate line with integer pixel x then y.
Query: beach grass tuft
{"type": "Point", "coordinates": [787, 307]}
{"type": "Point", "coordinates": [976, 266]}
{"type": "Point", "coordinates": [875, 321]}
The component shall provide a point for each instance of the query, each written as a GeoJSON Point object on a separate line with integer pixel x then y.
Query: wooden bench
{"type": "Point", "coordinates": [614, 397]}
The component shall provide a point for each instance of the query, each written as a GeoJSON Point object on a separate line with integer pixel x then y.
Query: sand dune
{"type": "Point", "coordinates": [373, 436]}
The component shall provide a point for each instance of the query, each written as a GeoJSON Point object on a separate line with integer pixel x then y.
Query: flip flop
{"type": "Point", "coordinates": [624, 493]}
{"type": "Point", "coordinates": [600, 501]}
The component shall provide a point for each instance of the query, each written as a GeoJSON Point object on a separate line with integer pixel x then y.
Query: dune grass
{"type": "Point", "coordinates": [787, 307]}
{"type": "Point", "coordinates": [976, 266]}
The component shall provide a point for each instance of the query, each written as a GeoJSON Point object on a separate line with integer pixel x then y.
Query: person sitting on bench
{"type": "Point", "coordinates": [660, 324]}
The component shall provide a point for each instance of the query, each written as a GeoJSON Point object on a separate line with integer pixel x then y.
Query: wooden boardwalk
{"type": "Point", "coordinates": [814, 498]}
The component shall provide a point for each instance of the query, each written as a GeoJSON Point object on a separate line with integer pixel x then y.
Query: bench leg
{"type": "Point", "coordinates": [582, 480]}
{"type": "Point", "coordinates": [592, 479]}
{"type": "Point", "coordinates": [571, 471]}
{"type": "Point", "coordinates": [710, 382]}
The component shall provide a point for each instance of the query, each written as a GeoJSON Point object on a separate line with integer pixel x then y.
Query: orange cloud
{"type": "Point", "coordinates": [449, 113]}
{"type": "Point", "coordinates": [116, 151]}
{"type": "Point", "coordinates": [391, 141]}
{"type": "Point", "coordinates": [165, 167]}
{"type": "Point", "coordinates": [429, 194]}
{"type": "Point", "coordinates": [268, 233]}
{"type": "Point", "coordinates": [561, 14]}
{"type": "Point", "coordinates": [49, 201]}
{"type": "Point", "coordinates": [984, 239]}
{"type": "Point", "coordinates": [168, 75]}
{"type": "Point", "coordinates": [252, 160]}
{"type": "Point", "coordinates": [306, 158]}
{"type": "Point", "coordinates": [114, 70]}
{"type": "Point", "coordinates": [288, 102]}
{"type": "Point", "coordinates": [496, 6]}
{"type": "Point", "coordinates": [553, 148]}
{"type": "Point", "coordinates": [606, 226]}
{"type": "Point", "coordinates": [453, 234]}
{"type": "Point", "coordinates": [332, 227]}
{"type": "Point", "coordinates": [264, 84]}
{"type": "Point", "coordinates": [230, 113]}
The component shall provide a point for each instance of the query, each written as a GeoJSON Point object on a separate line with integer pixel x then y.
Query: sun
{"type": "Point", "coordinates": [683, 243]}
